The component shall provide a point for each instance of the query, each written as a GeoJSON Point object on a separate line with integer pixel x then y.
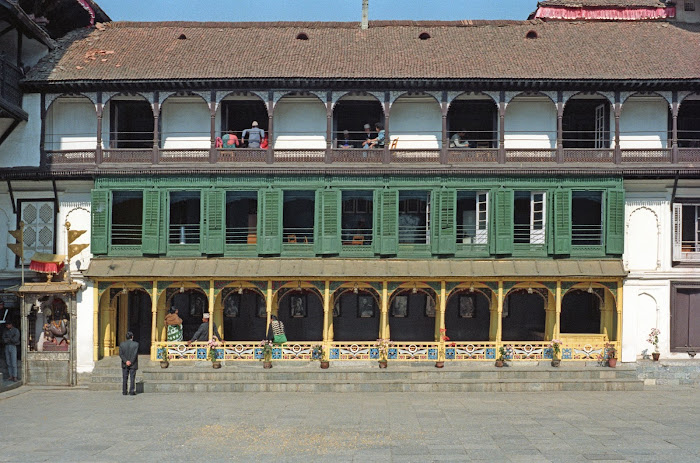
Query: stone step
{"type": "Point", "coordinates": [501, 385]}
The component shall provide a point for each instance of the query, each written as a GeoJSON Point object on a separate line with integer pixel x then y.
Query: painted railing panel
{"type": "Point", "coordinates": [471, 351]}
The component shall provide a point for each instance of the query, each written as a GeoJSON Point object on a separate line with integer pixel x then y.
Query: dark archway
{"type": "Point", "coordinates": [477, 118]}
{"type": "Point", "coordinates": [139, 319]}
{"type": "Point", "coordinates": [586, 122]}
{"type": "Point", "coordinates": [244, 315]}
{"type": "Point", "coordinates": [301, 311]}
{"type": "Point", "coordinates": [467, 316]}
{"type": "Point", "coordinates": [412, 315]}
{"type": "Point", "coordinates": [524, 316]}
{"type": "Point", "coordinates": [351, 113]}
{"type": "Point", "coordinates": [191, 304]}
{"type": "Point", "coordinates": [356, 315]}
{"type": "Point", "coordinates": [238, 111]}
{"type": "Point", "coordinates": [689, 124]}
{"type": "Point", "coordinates": [580, 312]}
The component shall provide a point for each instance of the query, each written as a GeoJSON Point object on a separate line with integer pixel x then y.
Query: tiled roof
{"type": "Point", "coordinates": [125, 51]}
{"type": "Point", "coordinates": [604, 3]}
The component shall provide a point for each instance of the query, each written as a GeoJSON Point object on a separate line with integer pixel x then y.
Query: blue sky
{"type": "Point", "coordinates": [313, 10]}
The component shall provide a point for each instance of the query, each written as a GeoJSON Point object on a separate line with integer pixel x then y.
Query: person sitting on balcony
{"type": "Point", "coordinates": [368, 136]}
{"type": "Point", "coordinates": [459, 140]}
{"type": "Point", "coordinates": [255, 135]}
{"type": "Point", "coordinates": [230, 140]}
{"type": "Point", "coordinates": [378, 141]}
{"type": "Point", "coordinates": [202, 333]}
{"type": "Point", "coordinates": [345, 142]}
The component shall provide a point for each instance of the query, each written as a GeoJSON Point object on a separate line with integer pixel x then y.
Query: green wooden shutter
{"type": "Point", "coordinates": [328, 222]}
{"type": "Point", "coordinates": [562, 222]}
{"type": "Point", "coordinates": [389, 219]}
{"type": "Point", "coordinates": [270, 222]}
{"type": "Point", "coordinates": [503, 242]}
{"type": "Point", "coordinates": [447, 227]}
{"type": "Point", "coordinates": [100, 219]}
{"type": "Point", "coordinates": [615, 222]}
{"type": "Point", "coordinates": [214, 220]}
{"type": "Point", "coordinates": [376, 222]}
{"type": "Point", "coordinates": [151, 230]}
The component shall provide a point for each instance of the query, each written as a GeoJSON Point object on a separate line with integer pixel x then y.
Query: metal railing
{"type": "Point", "coordinates": [184, 234]}
{"type": "Point", "coordinates": [126, 234]}
{"type": "Point", "coordinates": [241, 235]}
{"type": "Point", "coordinates": [586, 235]}
{"type": "Point", "coordinates": [300, 235]}
{"type": "Point", "coordinates": [356, 236]}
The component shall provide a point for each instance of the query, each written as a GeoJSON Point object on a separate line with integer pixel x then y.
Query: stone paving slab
{"type": "Point", "coordinates": [62, 424]}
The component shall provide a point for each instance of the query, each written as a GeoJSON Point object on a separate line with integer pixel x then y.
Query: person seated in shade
{"type": "Point", "coordinates": [345, 141]}
{"type": "Point", "coordinates": [202, 333]}
{"type": "Point", "coordinates": [230, 140]}
{"type": "Point", "coordinates": [459, 140]}
{"type": "Point", "coordinates": [378, 141]}
{"type": "Point", "coordinates": [255, 135]}
{"type": "Point", "coordinates": [173, 324]}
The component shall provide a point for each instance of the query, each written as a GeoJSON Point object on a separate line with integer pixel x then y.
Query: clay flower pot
{"type": "Point", "coordinates": [164, 364]}
{"type": "Point", "coordinates": [612, 363]}
{"type": "Point", "coordinates": [216, 365]}
{"type": "Point", "coordinates": [556, 362]}
{"type": "Point", "coordinates": [325, 364]}
{"type": "Point", "coordinates": [499, 363]}
{"type": "Point", "coordinates": [439, 364]}
{"type": "Point", "coordinates": [655, 356]}
{"type": "Point", "coordinates": [267, 364]}
{"type": "Point", "coordinates": [382, 364]}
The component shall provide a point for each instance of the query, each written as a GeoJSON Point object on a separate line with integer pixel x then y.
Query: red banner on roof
{"type": "Point", "coordinates": [608, 14]}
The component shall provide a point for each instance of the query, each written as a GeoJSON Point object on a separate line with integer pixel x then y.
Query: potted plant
{"type": "Point", "coordinates": [317, 353]}
{"type": "Point", "coordinates": [164, 357]}
{"type": "Point", "coordinates": [505, 353]}
{"type": "Point", "coordinates": [266, 345]}
{"type": "Point", "coordinates": [555, 345]}
{"type": "Point", "coordinates": [440, 363]}
{"type": "Point", "coordinates": [654, 340]}
{"type": "Point", "coordinates": [383, 345]}
{"type": "Point", "coordinates": [213, 344]}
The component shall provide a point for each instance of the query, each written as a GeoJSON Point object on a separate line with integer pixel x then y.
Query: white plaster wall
{"type": "Point", "coordinates": [687, 16]}
{"type": "Point", "coordinates": [300, 123]}
{"type": "Point", "coordinates": [21, 149]}
{"type": "Point", "coordinates": [185, 123]}
{"type": "Point", "coordinates": [531, 123]}
{"type": "Point", "coordinates": [644, 122]}
{"type": "Point", "coordinates": [645, 306]}
{"type": "Point", "coordinates": [416, 123]}
{"type": "Point", "coordinates": [83, 336]}
{"type": "Point", "coordinates": [71, 124]}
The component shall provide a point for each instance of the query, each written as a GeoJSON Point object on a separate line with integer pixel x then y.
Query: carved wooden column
{"type": "Point", "coordinates": [213, 153]}
{"type": "Point", "coordinates": [156, 118]}
{"type": "Point", "coordinates": [99, 110]}
{"type": "Point", "coordinates": [501, 128]}
{"type": "Point", "coordinates": [560, 127]}
{"type": "Point", "coordinates": [329, 127]}
{"type": "Point", "coordinates": [618, 111]}
{"type": "Point", "coordinates": [270, 141]}
{"type": "Point", "coordinates": [386, 155]}
{"type": "Point", "coordinates": [445, 138]}
{"type": "Point", "coordinates": [674, 114]}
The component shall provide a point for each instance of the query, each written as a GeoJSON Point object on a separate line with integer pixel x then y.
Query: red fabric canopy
{"type": "Point", "coordinates": [619, 14]}
{"type": "Point", "coordinates": [46, 267]}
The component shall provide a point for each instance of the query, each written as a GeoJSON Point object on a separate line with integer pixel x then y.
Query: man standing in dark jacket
{"type": "Point", "coordinates": [129, 353]}
{"type": "Point", "coordinates": [10, 337]}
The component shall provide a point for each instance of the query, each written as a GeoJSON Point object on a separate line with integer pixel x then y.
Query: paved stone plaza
{"type": "Point", "coordinates": [46, 424]}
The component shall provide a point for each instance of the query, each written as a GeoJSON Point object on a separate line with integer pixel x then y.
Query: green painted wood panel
{"type": "Point", "coordinates": [615, 222]}
{"type": "Point", "coordinates": [152, 229]}
{"type": "Point", "coordinates": [446, 223]}
{"type": "Point", "coordinates": [214, 213]}
{"type": "Point", "coordinates": [503, 221]}
{"type": "Point", "coordinates": [562, 221]}
{"type": "Point", "coordinates": [328, 207]}
{"type": "Point", "coordinates": [270, 222]}
{"type": "Point", "coordinates": [100, 219]}
{"type": "Point", "coordinates": [389, 220]}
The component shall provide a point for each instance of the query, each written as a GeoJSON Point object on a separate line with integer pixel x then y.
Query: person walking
{"type": "Point", "coordinates": [129, 353]}
{"type": "Point", "coordinates": [10, 337]}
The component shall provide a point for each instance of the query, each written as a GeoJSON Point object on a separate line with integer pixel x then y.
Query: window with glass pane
{"type": "Point", "coordinates": [529, 217]}
{"type": "Point", "coordinates": [357, 222]}
{"type": "Point", "coordinates": [185, 210]}
{"type": "Point", "coordinates": [414, 217]}
{"type": "Point", "coordinates": [472, 217]}
{"type": "Point", "coordinates": [586, 218]}
{"type": "Point", "coordinates": [241, 217]}
{"type": "Point", "coordinates": [127, 217]}
{"type": "Point", "coordinates": [298, 217]}
{"type": "Point", "coordinates": [690, 240]}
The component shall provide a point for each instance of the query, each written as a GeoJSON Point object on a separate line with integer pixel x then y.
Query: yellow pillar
{"type": "Point", "coordinates": [618, 328]}
{"type": "Point", "coordinates": [218, 317]}
{"type": "Point", "coordinates": [211, 309]}
{"type": "Point", "coordinates": [493, 316]}
{"type": "Point", "coordinates": [96, 322]}
{"type": "Point", "coordinates": [154, 320]}
{"type": "Point", "coordinates": [441, 320]}
{"type": "Point", "coordinates": [268, 303]}
{"type": "Point", "coordinates": [557, 308]}
{"type": "Point", "coordinates": [607, 316]}
{"type": "Point", "coordinates": [384, 318]}
{"type": "Point", "coordinates": [326, 319]}
{"type": "Point", "coordinates": [499, 317]}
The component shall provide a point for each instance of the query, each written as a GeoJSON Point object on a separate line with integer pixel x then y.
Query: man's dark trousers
{"type": "Point", "coordinates": [128, 374]}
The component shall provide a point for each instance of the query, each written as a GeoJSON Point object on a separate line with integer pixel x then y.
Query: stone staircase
{"type": "Point", "coordinates": [107, 374]}
{"type": "Point", "coordinates": [399, 377]}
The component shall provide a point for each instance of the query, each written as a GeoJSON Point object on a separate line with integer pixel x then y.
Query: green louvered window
{"type": "Point", "coordinates": [214, 221]}
{"type": "Point", "coordinates": [445, 220]}
{"type": "Point", "coordinates": [562, 222]}
{"type": "Point", "coordinates": [127, 218]}
{"type": "Point", "coordinates": [503, 222]}
{"type": "Point", "coordinates": [388, 222]}
{"type": "Point", "coordinates": [99, 216]}
{"type": "Point", "coordinates": [152, 220]}
{"type": "Point", "coordinates": [241, 217]}
{"type": "Point", "coordinates": [328, 222]}
{"type": "Point", "coordinates": [615, 222]}
{"type": "Point", "coordinates": [270, 222]}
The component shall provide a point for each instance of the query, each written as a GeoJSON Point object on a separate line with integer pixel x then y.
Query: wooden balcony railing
{"type": "Point", "coordinates": [452, 156]}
